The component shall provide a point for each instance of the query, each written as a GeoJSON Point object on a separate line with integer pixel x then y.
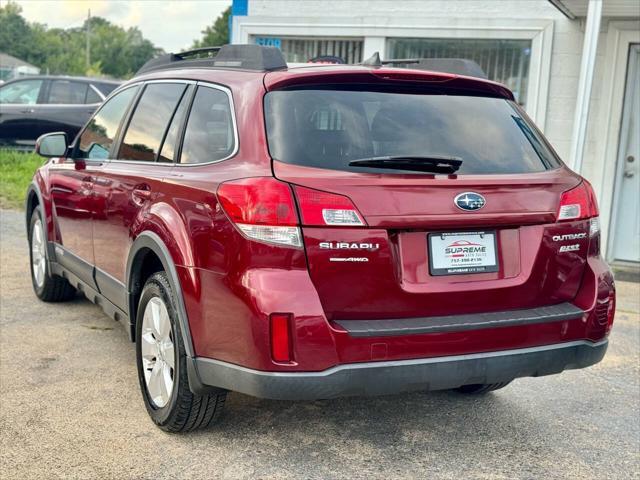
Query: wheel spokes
{"type": "Point", "coordinates": [157, 352]}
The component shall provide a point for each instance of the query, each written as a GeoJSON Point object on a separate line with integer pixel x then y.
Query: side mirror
{"type": "Point", "coordinates": [52, 145]}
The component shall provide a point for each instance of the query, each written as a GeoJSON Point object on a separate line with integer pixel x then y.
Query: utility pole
{"type": "Point", "coordinates": [88, 39]}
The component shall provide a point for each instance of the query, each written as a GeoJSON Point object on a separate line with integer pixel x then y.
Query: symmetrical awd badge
{"type": "Point", "coordinates": [469, 201]}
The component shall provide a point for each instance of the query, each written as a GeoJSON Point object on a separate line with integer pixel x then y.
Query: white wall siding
{"type": "Point", "coordinates": [557, 44]}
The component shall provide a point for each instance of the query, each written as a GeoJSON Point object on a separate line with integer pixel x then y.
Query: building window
{"type": "Point", "coordinates": [504, 61]}
{"type": "Point", "coordinates": [301, 50]}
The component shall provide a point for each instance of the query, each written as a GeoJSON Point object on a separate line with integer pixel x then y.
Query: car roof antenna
{"type": "Point", "coordinates": [373, 61]}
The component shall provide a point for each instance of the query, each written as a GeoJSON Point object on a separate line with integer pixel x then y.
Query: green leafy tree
{"type": "Point", "coordinates": [216, 34]}
{"type": "Point", "coordinates": [15, 32]}
{"type": "Point", "coordinates": [115, 52]}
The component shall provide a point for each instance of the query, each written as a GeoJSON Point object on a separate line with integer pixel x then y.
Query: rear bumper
{"type": "Point", "coordinates": [388, 377]}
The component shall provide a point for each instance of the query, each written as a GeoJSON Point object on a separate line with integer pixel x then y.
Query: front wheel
{"type": "Point", "coordinates": [47, 287]}
{"type": "Point", "coordinates": [162, 367]}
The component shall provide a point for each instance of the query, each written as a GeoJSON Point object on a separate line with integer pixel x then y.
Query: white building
{"type": "Point", "coordinates": [12, 67]}
{"type": "Point", "coordinates": [582, 88]}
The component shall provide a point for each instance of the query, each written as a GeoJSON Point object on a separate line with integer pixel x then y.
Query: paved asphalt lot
{"type": "Point", "coordinates": [70, 407]}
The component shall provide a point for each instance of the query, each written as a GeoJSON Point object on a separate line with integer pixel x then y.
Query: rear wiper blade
{"type": "Point", "coordinates": [431, 164]}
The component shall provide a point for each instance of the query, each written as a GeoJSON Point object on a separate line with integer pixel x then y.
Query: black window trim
{"type": "Point", "coordinates": [124, 125]}
{"type": "Point", "coordinates": [187, 95]}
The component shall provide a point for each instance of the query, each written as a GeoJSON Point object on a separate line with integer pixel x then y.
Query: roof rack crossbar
{"type": "Point", "coordinates": [197, 51]}
{"type": "Point", "coordinates": [244, 57]}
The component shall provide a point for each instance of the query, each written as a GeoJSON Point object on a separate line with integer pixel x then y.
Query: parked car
{"type": "Point", "coordinates": [317, 232]}
{"type": "Point", "coordinates": [33, 106]}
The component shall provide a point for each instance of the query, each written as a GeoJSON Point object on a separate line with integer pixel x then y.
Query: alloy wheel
{"type": "Point", "coordinates": [38, 255]}
{"type": "Point", "coordinates": [158, 353]}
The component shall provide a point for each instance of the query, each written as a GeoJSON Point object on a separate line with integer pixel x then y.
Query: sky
{"type": "Point", "coordinates": [169, 24]}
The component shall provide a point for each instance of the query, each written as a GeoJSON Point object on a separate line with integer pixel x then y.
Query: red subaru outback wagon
{"type": "Point", "coordinates": [320, 231]}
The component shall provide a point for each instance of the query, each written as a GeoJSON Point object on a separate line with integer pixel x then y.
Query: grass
{"type": "Point", "coordinates": [16, 171]}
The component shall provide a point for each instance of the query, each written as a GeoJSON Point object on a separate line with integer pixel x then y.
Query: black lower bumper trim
{"type": "Point", "coordinates": [457, 323]}
{"type": "Point", "coordinates": [388, 377]}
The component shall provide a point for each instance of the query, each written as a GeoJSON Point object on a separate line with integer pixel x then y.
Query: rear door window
{"type": "Point", "coordinates": [209, 135]}
{"type": "Point", "coordinates": [149, 121]}
{"type": "Point", "coordinates": [67, 92]}
{"type": "Point", "coordinates": [97, 138]}
{"type": "Point", "coordinates": [331, 128]}
{"type": "Point", "coordinates": [171, 140]}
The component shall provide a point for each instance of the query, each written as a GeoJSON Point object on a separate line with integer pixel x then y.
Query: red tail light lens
{"type": "Point", "coordinates": [263, 209]}
{"type": "Point", "coordinates": [280, 340]}
{"type": "Point", "coordinates": [323, 208]}
{"type": "Point", "coordinates": [578, 203]}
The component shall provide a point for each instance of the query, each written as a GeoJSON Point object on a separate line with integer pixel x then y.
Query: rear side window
{"type": "Point", "coordinates": [209, 135]}
{"type": "Point", "coordinates": [67, 92]}
{"type": "Point", "coordinates": [92, 96]}
{"type": "Point", "coordinates": [331, 128]}
{"type": "Point", "coordinates": [106, 88]}
{"type": "Point", "coordinates": [97, 138]}
{"type": "Point", "coordinates": [149, 121]}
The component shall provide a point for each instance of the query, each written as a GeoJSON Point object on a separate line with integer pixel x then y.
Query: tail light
{"type": "Point", "coordinates": [280, 340]}
{"type": "Point", "coordinates": [578, 203]}
{"type": "Point", "coordinates": [263, 209]}
{"type": "Point", "coordinates": [327, 209]}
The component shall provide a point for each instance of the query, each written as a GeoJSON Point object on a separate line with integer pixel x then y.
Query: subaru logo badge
{"type": "Point", "coordinates": [469, 201]}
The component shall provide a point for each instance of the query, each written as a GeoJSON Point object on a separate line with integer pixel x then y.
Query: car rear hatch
{"type": "Point", "coordinates": [414, 232]}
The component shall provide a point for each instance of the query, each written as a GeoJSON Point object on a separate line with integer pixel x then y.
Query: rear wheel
{"type": "Point", "coordinates": [480, 388]}
{"type": "Point", "coordinates": [47, 287]}
{"type": "Point", "coordinates": [162, 367]}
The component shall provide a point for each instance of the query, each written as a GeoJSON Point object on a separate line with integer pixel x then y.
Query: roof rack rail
{"type": "Point", "coordinates": [245, 57]}
{"type": "Point", "coordinates": [458, 66]}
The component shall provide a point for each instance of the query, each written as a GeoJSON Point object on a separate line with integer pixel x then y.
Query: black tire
{"type": "Point", "coordinates": [185, 411]}
{"type": "Point", "coordinates": [54, 288]}
{"type": "Point", "coordinates": [482, 388]}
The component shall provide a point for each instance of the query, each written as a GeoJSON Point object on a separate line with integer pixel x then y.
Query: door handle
{"type": "Point", "coordinates": [141, 194]}
{"type": "Point", "coordinates": [28, 110]}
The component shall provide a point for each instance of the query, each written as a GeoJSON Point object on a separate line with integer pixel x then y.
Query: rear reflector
{"type": "Point", "coordinates": [578, 203]}
{"type": "Point", "coordinates": [280, 341]}
{"type": "Point", "coordinates": [319, 208]}
{"type": "Point", "coordinates": [263, 210]}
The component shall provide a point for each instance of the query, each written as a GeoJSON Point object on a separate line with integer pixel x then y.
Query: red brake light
{"type": "Point", "coordinates": [578, 203]}
{"type": "Point", "coordinates": [280, 343]}
{"type": "Point", "coordinates": [258, 201]}
{"type": "Point", "coordinates": [323, 208]}
{"type": "Point", "coordinates": [263, 209]}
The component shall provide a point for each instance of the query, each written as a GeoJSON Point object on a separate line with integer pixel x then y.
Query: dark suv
{"type": "Point", "coordinates": [315, 232]}
{"type": "Point", "coordinates": [33, 106]}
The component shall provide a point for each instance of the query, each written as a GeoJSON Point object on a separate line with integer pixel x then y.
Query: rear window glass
{"type": "Point", "coordinates": [331, 128]}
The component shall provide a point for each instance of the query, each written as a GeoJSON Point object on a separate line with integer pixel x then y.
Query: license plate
{"type": "Point", "coordinates": [462, 252]}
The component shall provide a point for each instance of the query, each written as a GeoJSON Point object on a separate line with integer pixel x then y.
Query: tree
{"type": "Point", "coordinates": [15, 32]}
{"type": "Point", "coordinates": [115, 52]}
{"type": "Point", "coordinates": [216, 34]}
